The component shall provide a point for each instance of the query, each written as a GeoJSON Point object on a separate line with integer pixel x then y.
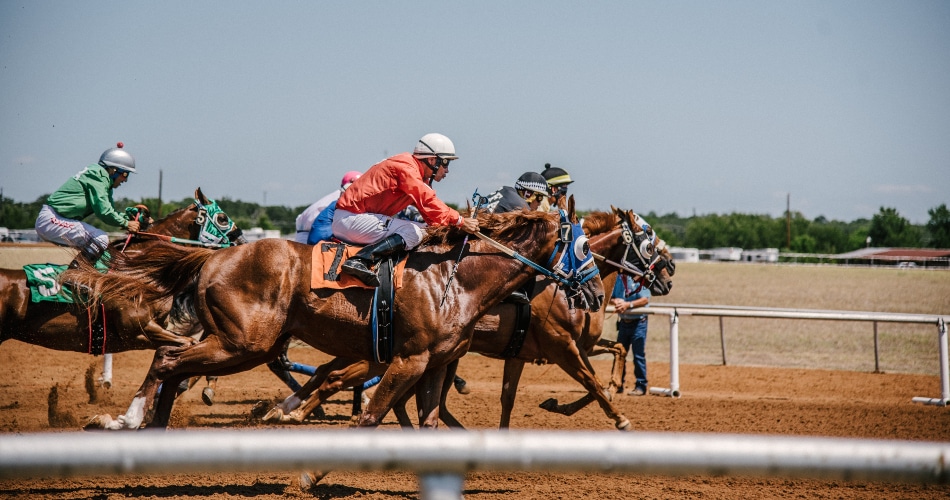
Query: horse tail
{"type": "Point", "coordinates": [156, 275]}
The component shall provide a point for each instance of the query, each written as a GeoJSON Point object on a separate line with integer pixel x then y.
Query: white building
{"type": "Point", "coordinates": [732, 254]}
{"type": "Point", "coordinates": [760, 255]}
{"type": "Point", "coordinates": [682, 254]}
{"type": "Point", "coordinates": [256, 233]}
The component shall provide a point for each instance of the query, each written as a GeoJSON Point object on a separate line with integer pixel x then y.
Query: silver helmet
{"type": "Point", "coordinates": [118, 158]}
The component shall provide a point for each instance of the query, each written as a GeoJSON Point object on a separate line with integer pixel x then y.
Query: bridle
{"type": "Point", "coordinates": [215, 229]}
{"type": "Point", "coordinates": [640, 254]}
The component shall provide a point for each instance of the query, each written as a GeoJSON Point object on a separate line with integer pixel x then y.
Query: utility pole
{"type": "Point", "coordinates": [159, 194]}
{"type": "Point", "coordinates": [788, 220]}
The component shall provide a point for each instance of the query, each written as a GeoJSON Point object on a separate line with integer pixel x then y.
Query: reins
{"type": "Point", "coordinates": [183, 241]}
{"type": "Point", "coordinates": [569, 283]}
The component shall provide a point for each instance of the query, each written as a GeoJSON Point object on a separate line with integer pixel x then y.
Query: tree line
{"type": "Point", "coordinates": [793, 232]}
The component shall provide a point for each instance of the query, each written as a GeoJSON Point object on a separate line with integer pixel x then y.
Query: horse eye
{"type": "Point", "coordinates": [222, 219]}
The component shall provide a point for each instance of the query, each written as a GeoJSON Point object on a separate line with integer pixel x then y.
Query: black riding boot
{"type": "Point", "coordinates": [361, 264]}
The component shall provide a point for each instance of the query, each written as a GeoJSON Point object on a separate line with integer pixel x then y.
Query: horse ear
{"type": "Point", "coordinates": [570, 210]}
{"type": "Point", "coordinates": [200, 196]}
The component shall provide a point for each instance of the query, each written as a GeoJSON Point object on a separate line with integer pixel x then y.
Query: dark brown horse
{"type": "Point", "coordinates": [65, 327]}
{"type": "Point", "coordinates": [251, 298]}
{"type": "Point", "coordinates": [556, 333]}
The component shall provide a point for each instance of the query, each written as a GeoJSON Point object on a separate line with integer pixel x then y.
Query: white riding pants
{"type": "Point", "coordinates": [73, 233]}
{"type": "Point", "coordinates": [366, 229]}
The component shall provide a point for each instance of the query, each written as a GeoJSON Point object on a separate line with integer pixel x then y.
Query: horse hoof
{"type": "Point", "coordinates": [101, 423]}
{"type": "Point", "coordinates": [105, 383]}
{"type": "Point", "coordinates": [623, 425]}
{"type": "Point", "coordinates": [549, 405]}
{"type": "Point", "coordinates": [207, 395]}
{"type": "Point", "coordinates": [309, 479]}
{"type": "Point", "coordinates": [274, 415]}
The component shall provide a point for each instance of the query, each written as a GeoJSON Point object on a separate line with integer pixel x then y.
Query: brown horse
{"type": "Point", "coordinates": [251, 298]}
{"type": "Point", "coordinates": [556, 333]}
{"type": "Point", "coordinates": [65, 327]}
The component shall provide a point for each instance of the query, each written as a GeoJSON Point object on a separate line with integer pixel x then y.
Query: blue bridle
{"type": "Point", "coordinates": [568, 270]}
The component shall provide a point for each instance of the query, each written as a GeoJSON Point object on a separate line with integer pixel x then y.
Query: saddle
{"type": "Point", "coordinates": [328, 257]}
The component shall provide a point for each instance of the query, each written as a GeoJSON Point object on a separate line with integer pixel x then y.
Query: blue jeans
{"type": "Point", "coordinates": [633, 336]}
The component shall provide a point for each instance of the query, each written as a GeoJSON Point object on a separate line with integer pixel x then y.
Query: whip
{"type": "Point", "coordinates": [477, 199]}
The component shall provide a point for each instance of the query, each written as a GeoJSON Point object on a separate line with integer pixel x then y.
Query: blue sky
{"type": "Point", "coordinates": [686, 107]}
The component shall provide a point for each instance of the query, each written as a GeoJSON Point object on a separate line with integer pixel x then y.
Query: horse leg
{"type": "Point", "coordinates": [509, 389]}
{"type": "Point", "coordinates": [207, 394]}
{"type": "Point", "coordinates": [444, 414]}
{"type": "Point", "coordinates": [572, 361]}
{"type": "Point", "coordinates": [619, 353]}
{"type": "Point", "coordinates": [402, 416]}
{"type": "Point", "coordinates": [105, 380]}
{"type": "Point", "coordinates": [141, 402]}
{"type": "Point", "coordinates": [429, 395]}
{"type": "Point", "coordinates": [402, 374]}
{"type": "Point", "coordinates": [350, 375]}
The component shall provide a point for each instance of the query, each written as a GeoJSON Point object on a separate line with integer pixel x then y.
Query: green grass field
{"type": "Point", "coordinates": [837, 345]}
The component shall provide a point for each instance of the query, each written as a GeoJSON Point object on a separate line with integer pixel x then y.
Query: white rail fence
{"type": "Point", "coordinates": [441, 459]}
{"type": "Point", "coordinates": [674, 311]}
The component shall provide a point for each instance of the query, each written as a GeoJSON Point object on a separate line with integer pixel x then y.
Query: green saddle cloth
{"type": "Point", "coordinates": [43, 285]}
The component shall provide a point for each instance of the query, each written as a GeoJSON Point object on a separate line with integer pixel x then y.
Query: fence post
{"type": "Point", "coordinates": [722, 340]}
{"type": "Point", "coordinates": [674, 389]}
{"type": "Point", "coordinates": [877, 358]}
{"type": "Point", "coordinates": [944, 369]}
{"type": "Point", "coordinates": [440, 486]}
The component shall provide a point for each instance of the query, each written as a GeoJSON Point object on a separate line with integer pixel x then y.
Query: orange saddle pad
{"type": "Point", "coordinates": [328, 257]}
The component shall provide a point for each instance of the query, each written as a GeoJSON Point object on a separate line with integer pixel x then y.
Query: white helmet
{"type": "Point", "coordinates": [436, 145]}
{"type": "Point", "coordinates": [118, 158]}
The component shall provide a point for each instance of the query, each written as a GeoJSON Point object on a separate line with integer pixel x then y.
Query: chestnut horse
{"type": "Point", "coordinates": [556, 333]}
{"type": "Point", "coordinates": [65, 327]}
{"type": "Point", "coordinates": [252, 298]}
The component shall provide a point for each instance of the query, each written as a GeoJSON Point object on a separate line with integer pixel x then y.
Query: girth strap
{"type": "Point", "coordinates": [522, 320]}
{"type": "Point", "coordinates": [382, 320]}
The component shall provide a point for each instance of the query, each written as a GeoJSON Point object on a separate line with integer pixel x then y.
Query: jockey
{"type": "Point", "coordinates": [558, 179]}
{"type": "Point", "coordinates": [365, 213]}
{"type": "Point", "coordinates": [529, 191]}
{"type": "Point", "coordinates": [88, 192]}
{"type": "Point", "coordinates": [305, 221]}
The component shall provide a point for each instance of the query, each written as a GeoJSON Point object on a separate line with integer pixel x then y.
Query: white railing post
{"type": "Point", "coordinates": [440, 485]}
{"type": "Point", "coordinates": [674, 389]}
{"type": "Point", "coordinates": [944, 369]}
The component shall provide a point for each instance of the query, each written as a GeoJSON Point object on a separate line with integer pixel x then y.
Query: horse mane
{"type": "Point", "coordinates": [144, 277]}
{"type": "Point", "coordinates": [599, 222]}
{"type": "Point", "coordinates": [516, 225]}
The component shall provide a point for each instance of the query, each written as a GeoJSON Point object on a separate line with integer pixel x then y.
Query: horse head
{"type": "Point", "coordinates": [624, 242]}
{"type": "Point", "coordinates": [202, 221]}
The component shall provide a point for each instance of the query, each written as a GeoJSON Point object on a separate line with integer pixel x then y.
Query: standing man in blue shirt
{"type": "Point", "coordinates": [632, 327]}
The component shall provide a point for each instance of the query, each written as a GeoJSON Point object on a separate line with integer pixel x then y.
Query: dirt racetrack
{"type": "Point", "coordinates": [715, 399]}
